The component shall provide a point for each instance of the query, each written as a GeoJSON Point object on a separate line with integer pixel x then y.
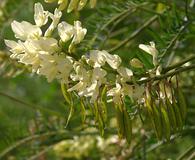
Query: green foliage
{"type": "Point", "coordinates": [34, 114]}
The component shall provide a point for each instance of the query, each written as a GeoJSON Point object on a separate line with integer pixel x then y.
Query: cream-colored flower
{"type": "Point", "coordinates": [79, 32]}
{"type": "Point", "coordinates": [55, 20]}
{"type": "Point", "coordinates": [65, 31]}
{"type": "Point", "coordinates": [25, 30]}
{"type": "Point", "coordinates": [89, 82]}
{"type": "Point", "coordinates": [15, 48]}
{"type": "Point", "coordinates": [151, 49]}
{"type": "Point", "coordinates": [81, 75]}
{"type": "Point", "coordinates": [30, 59]}
{"type": "Point", "coordinates": [97, 79]}
{"type": "Point", "coordinates": [40, 16]}
{"type": "Point", "coordinates": [116, 94]}
{"type": "Point", "coordinates": [125, 73]}
{"type": "Point", "coordinates": [49, 45]}
{"type": "Point", "coordinates": [113, 60]}
{"type": "Point", "coordinates": [98, 58]}
{"type": "Point", "coordinates": [55, 66]}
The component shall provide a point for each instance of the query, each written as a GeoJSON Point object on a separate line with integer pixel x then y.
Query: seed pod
{"type": "Point", "coordinates": [103, 103]}
{"type": "Point", "coordinates": [154, 117]}
{"type": "Point", "coordinates": [99, 119]}
{"type": "Point", "coordinates": [157, 121]}
{"type": "Point", "coordinates": [82, 4]}
{"type": "Point", "coordinates": [182, 104]}
{"type": "Point", "coordinates": [128, 126]}
{"type": "Point", "coordinates": [83, 111]}
{"type": "Point", "coordinates": [120, 121]}
{"type": "Point", "coordinates": [171, 114]}
{"type": "Point", "coordinates": [165, 122]}
{"type": "Point", "coordinates": [177, 115]}
{"type": "Point", "coordinates": [73, 5]}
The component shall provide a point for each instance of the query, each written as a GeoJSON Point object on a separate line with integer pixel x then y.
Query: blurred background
{"type": "Point", "coordinates": [33, 112]}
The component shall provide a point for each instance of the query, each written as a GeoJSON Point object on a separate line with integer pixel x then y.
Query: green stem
{"type": "Point", "coordinates": [35, 107]}
{"type": "Point", "coordinates": [156, 78]}
{"type": "Point", "coordinates": [191, 58]}
{"type": "Point", "coordinates": [173, 41]}
{"type": "Point", "coordinates": [188, 151]}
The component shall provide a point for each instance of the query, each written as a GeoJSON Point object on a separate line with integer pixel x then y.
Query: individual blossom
{"type": "Point", "coordinates": [25, 30]}
{"type": "Point", "coordinates": [55, 66]}
{"type": "Point", "coordinates": [99, 58]}
{"type": "Point", "coordinates": [151, 49]}
{"type": "Point", "coordinates": [116, 94]}
{"type": "Point", "coordinates": [15, 47]}
{"type": "Point", "coordinates": [89, 81]}
{"type": "Point", "coordinates": [55, 20]}
{"type": "Point", "coordinates": [40, 16]}
{"type": "Point", "coordinates": [125, 73]}
{"type": "Point", "coordinates": [81, 75]}
{"type": "Point", "coordinates": [67, 32]}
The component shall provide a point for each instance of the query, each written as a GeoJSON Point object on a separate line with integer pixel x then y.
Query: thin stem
{"type": "Point", "coordinates": [134, 34]}
{"type": "Point", "coordinates": [42, 152]}
{"type": "Point", "coordinates": [191, 58]}
{"type": "Point", "coordinates": [170, 74]}
{"type": "Point", "coordinates": [175, 38]}
{"type": "Point", "coordinates": [183, 155]}
{"type": "Point", "coordinates": [46, 110]}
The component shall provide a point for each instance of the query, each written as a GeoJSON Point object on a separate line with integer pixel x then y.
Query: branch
{"type": "Point", "coordinates": [156, 78]}
{"type": "Point", "coordinates": [134, 34]}
{"type": "Point", "coordinates": [46, 110]}
{"type": "Point", "coordinates": [191, 58]}
{"type": "Point", "coordinates": [175, 38]}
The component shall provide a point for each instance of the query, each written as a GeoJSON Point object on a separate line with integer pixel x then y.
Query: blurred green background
{"type": "Point", "coordinates": [33, 112]}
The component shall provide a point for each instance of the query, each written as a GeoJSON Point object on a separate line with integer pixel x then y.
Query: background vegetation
{"type": "Point", "coordinates": [33, 113]}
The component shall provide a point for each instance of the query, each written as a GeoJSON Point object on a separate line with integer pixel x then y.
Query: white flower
{"type": "Point", "coordinates": [113, 60]}
{"type": "Point", "coordinates": [30, 59]}
{"type": "Point", "coordinates": [100, 57]}
{"type": "Point", "coordinates": [49, 45]}
{"type": "Point", "coordinates": [65, 31]}
{"type": "Point", "coordinates": [25, 30]}
{"type": "Point", "coordinates": [125, 73]}
{"type": "Point", "coordinates": [55, 66]}
{"type": "Point", "coordinates": [40, 16]}
{"type": "Point", "coordinates": [97, 79]}
{"type": "Point", "coordinates": [15, 48]}
{"type": "Point", "coordinates": [116, 93]}
{"type": "Point", "coordinates": [89, 82]}
{"type": "Point", "coordinates": [81, 75]}
{"type": "Point", "coordinates": [55, 20]}
{"type": "Point", "coordinates": [97, 58]}
{"type": "Point", "coordinates": [79, 33]}
{"type": "Point", "coordinates": [151, 49]}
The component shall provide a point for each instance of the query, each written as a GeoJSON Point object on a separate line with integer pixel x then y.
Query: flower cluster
{"type": "Point", "coordinates": [39, 49]}
{"type": "Point", "coordinates": [73, 4]}
{"type": "Point", "coordinates": [87, 75]}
